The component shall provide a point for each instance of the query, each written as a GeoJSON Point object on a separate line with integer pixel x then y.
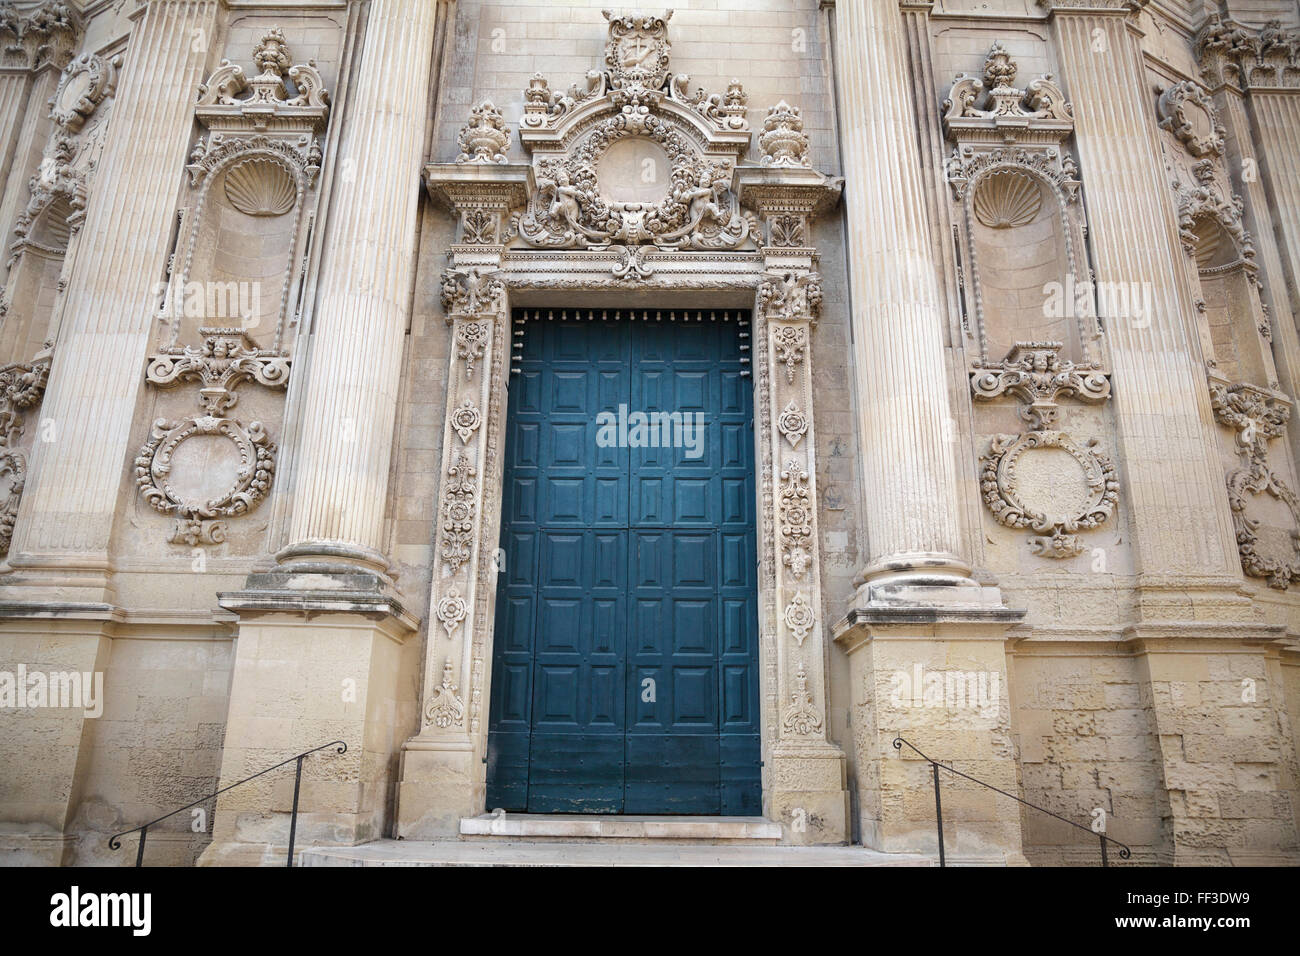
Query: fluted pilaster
{"type": "Point", "coordinates": [904, 421]}
{"type": "Point", "coordinates": [1172, 476]}
{"type": "Point", "coordinates": [75, 480]}
{"type": "Point", "coordinates": [364, 298]}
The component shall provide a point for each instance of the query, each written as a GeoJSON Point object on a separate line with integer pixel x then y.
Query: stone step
{"type": "Point", "coordinates": [537, 827]}
{"type": "Point", "coordinates": [503, 852]}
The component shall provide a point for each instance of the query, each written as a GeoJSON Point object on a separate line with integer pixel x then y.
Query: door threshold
{"type": "Point", "coordinates": [576, 826]}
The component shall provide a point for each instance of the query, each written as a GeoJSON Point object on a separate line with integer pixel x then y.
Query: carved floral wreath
{"type": "Point", "coordinates": [699, 210]}
{"type": "Point", "coordinates": [998, 482]}
{"type": "Point", "coordinates": [253, 478]}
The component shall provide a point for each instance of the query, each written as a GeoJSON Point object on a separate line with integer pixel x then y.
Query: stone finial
{"type": "Point", "coordinates": [783, 140]}
{"type": "Point", "coordinates": [999, 68]}
{"type": "Point", "coordinates": [485, 138]}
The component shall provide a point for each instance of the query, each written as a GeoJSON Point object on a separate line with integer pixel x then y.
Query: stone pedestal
{"type": "Point", "coordinates": [45, 750]}
{"type": "Point", "coordinates": [937, 677]}
{"type": "Point", "coordinates": [311, 666]}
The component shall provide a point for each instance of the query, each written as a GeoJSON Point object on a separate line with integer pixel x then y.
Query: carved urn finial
{"type": "Point", "coordinates": [999, 68]}
{"type": "Point", "coordinates": [485, 138]}
{"type": "Point", "coordinates": [783, 140]}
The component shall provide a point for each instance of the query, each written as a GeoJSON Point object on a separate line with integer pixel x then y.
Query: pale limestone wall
{"type": "Point", "coordinates": [156, 747]}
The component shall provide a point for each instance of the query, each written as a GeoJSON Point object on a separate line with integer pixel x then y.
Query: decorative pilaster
{"type": "Point", "coordinates": [74, 487]}
{"type": "Point", "coordinates": [442, 777]}
{"type": "Point", "coordinates": [1182, 528]}
{"type": "Point", "coordinates": [350, 401]}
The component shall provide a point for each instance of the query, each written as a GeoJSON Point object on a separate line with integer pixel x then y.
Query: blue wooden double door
{"type": "Point", "coordinates": [625, 657]}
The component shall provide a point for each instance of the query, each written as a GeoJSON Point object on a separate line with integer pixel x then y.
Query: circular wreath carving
{"type": "Point", "coordinates": [254, 472]}
{"type": "Point", "coordinates": [1001, 483]}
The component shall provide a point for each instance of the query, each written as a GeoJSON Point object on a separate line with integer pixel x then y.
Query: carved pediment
{"type": "Point", "coordinates": [631, 163]}
{"type": "Point", "coordinates": [994, 110]}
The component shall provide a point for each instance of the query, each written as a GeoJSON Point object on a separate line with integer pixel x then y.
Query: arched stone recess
{"type": "Point", "coordinates": [1236, 334]}
{"type": "Point", "coordinates": [252, 176]}
{"type": "Point", "coordinates": [702, 228]}
{"type": "Point", "coordinates": [1034, 299]}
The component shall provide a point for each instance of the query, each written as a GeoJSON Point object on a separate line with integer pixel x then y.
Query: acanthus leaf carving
{"type": "Point", "coordinates": [801, 717]}
{"type": "Point", "coordinates": [445, 706]}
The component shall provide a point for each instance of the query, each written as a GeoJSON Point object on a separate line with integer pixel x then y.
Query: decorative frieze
{"type": "Point", "coordinates": [1230, 53]}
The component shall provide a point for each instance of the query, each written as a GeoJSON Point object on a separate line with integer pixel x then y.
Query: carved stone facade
{"type": "Point", "coordinates": [1018, 330]}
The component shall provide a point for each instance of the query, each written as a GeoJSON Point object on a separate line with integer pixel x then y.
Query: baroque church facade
{"type": "Point", "coordinates": [651, 414]}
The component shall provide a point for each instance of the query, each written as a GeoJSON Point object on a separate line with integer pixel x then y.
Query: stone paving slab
{"type": "Point", "coordinates": [509, 853]}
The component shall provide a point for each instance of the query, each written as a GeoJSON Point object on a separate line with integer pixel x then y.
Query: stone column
{"type": "Point", "coordinates": [363, 303]}
{"type": "Point", "coordinates": [75, 482]}
{"type": "Point", "coordinates": [1173, 480]}
{"type": "Point", "coordinates": [1185, 549]}
{"type": "Point", "coordinates": [917, 610]}
{"type": "Point", "coordinates": [57, 612]}
{"type": "Point", "coordinates": [334, 561]}
{"type": "Point", "coordinates": [904, 420]}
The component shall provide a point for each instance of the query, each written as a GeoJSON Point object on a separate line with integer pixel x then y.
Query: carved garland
{"type": "Point", "coordinates": [1035, 376]}
{"type": "Point", "coordinates": [223, 361]}
{"type": "Point", "coordinates": [1256, 417]}
{"type": "Point", "coordinates": [22, 387]}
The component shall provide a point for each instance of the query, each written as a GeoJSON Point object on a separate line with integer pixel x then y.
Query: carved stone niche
{"type": "Point", "coordinates": [1234, 325]}
{"type": "Point", "coordinates": [1018, 187]}
{"type": "Point", "coordinates": [1043, 479]}
{"type": "Point", "coordinates": [1265, 509]}
{"type": "Point", "coordinates": [251, 174]}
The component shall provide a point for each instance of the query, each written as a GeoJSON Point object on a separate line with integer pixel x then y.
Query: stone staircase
{"type": "Point", "coordinates": [520, 839]}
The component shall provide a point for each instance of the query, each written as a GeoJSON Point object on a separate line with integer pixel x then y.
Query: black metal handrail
{"type": "Point", "coordinates": [114, 843]}
{"type": "Point", "coordinates": [1124, 851]}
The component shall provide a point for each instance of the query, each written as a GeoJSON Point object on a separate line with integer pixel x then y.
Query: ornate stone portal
{"type": "Point", "coordinates": [636, 185]}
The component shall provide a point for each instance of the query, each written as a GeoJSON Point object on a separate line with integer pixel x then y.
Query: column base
{"type": "Point", "coordinates": [928, 664]}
